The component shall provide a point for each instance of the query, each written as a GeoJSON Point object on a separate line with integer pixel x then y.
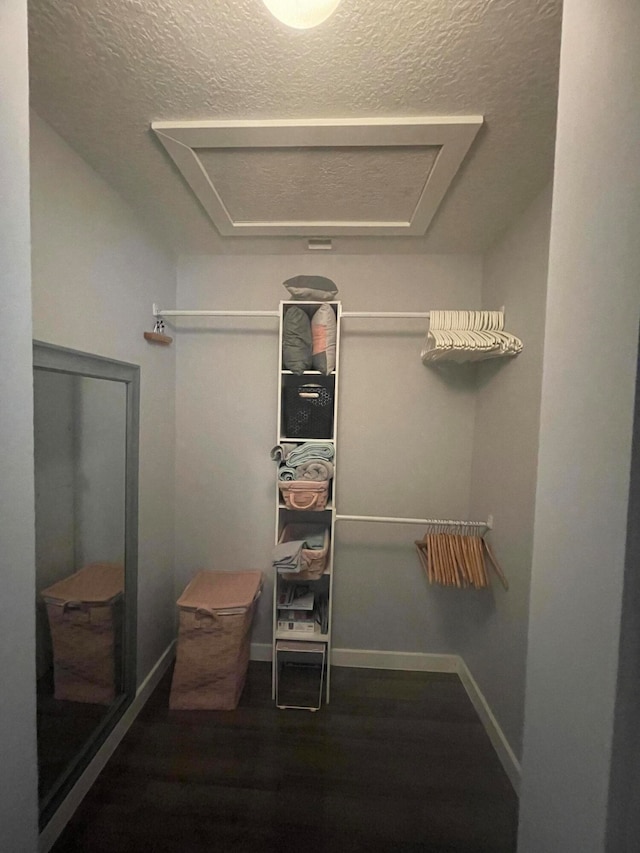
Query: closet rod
{"type": "Point", "coordinates": [422, 521]}
{"type": "Point", "coordinates": [160, 312]}
{"type": "Point", "coordinates": [420, 315]}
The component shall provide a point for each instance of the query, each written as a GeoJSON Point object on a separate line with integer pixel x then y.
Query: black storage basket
{"type": "Point", "coordinates": [308, 407]}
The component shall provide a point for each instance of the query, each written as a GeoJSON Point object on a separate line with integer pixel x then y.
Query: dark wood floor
{"type": "Point", "coordinates": [397, 762]}
{"type": "Point", "coordinates": [63, 729]}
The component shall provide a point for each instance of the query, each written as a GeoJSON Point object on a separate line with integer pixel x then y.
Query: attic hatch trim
{"type": "Point", "coordinates": [453, 135]}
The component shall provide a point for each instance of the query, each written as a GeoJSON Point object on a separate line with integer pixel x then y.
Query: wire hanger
{"type": "Point", "coordinates": [468, 336]}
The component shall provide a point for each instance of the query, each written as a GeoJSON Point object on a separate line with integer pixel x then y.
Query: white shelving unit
{"type": "Point", "coordinates": [323, 586]}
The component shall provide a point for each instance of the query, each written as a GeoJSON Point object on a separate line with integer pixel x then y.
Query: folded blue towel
{"type": "Point", "coordinates": [315, 469]}
{"type": "Point", "coordinates": [308, 451]}
{"type": "Point", "coordinates": [286, 473]}
{"type": "Point", "coordinates": [281, 451]}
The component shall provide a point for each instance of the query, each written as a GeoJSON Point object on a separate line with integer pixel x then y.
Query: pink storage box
{"type": "Point", "coordinates": [216, 611]}
{"type": "Point", "coordinates": [84, 619]}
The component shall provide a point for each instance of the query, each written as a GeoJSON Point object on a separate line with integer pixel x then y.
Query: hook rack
{"type": "Point", "coordinates": [158, 336]}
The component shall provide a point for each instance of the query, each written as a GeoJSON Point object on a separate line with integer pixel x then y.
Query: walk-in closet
{"type": "Point", "coordinates": [319, 473]}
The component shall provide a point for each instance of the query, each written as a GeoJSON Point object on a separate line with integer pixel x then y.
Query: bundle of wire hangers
{"type": "Point", "coordinates": [468, 336]}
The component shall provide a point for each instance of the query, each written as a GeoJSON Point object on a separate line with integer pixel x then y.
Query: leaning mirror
{"type": "Point", "coordinates": [86, 486]}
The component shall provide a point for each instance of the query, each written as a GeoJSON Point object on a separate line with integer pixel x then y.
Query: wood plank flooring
{"type": "Point", "coordinates": [63, 729]}
{"type": "Point", "coordinates": [397, 762]}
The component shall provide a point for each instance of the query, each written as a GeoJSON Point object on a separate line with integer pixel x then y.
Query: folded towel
{"type": "Point", "coordinates": [286, 556]}
{"type": "Point", "coordinates": [307, 451]}
{"type": "Point", "coordinates": [315, 540]}
{"type": "Point", "coordinates": [281, 451]}
{"type": "Point", "coordinates": [314, 469]}
{"type": "Point", "coordinates": [286, 473]}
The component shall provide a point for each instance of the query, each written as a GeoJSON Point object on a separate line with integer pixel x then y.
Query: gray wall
{"type": "Point", "coordinates": [18, 782]}
{"type": "Point", "coordinates": [55, 504]}
{"type": "Point", "coordinates": [405, 435]}
{"type": "Point", "coordinates": [80, 449]}
{"type": "Point", "coordinates": [96, 273]}
{"type": "Point", "coordinates": [54, 461]}
{"type": "Point", "coordinates": [593, 308]}
{"type": "Point", "coordinates": [79, 427]}
{"type": "Point", "coordinates": [623, 822]}
{"type": "Point", "coordinates": [100, 462]}
{"type": "Point", "coordinates": [493, 628]}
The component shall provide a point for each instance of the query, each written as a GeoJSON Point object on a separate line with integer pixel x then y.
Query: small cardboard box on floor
{"type": "Point", "coordinates": [216, 611]}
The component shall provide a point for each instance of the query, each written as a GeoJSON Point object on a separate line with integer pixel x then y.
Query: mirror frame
{"type": "Point", "coordinates": [57, 359]}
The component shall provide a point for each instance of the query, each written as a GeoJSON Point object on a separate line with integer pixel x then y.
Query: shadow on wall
{"type": "Point", "coordinates": [384, 601]}
{"type": "Point", "coordinates": [487, 370]}
{"type": "Point", "coordinates": [456, 377]}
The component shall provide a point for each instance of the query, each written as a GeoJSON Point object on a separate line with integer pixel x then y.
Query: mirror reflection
{"type": "Point", "coordinates": [80, 425]}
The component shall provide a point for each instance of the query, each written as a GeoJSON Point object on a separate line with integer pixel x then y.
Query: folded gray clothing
{"type": "Point", "coordinates": [286, 556]}
{"type": "Point", "coordinates": [281, 451]}
{"type": "Point", "coordinates": [308, 451]}
{"type": "Point", "coordinates": [286, 473]}
{"type": "Point", "coordinates": [315, 469]}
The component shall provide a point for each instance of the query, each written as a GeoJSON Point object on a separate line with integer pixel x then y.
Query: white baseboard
{"type": "Point", "coordinates": [261, 651]}
{"type": "Point", "coordinates": [363, 658]}
{"type": "Point", "coordinates": [375, 659]}
{"type": "Point", "coordinates": [64, 813]}
{"type": "Point", "coordinates": [497, 737]}
{"type": "Point", "coordinates": [408, 661]}
{"type": "Point", "coordinates": [423, 662]}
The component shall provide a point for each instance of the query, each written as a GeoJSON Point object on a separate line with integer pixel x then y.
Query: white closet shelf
{"type": "Point", "coordinates": [293, 578]}
{"type": "Point", "coordinates": [292, 412]}
{"type": "Point", "coordinates": [316, 636]}
{"type": "Point", "coordinates": [306, 440]}
{"type": "Point", "coordinates": [307, 373]}
{"type": "Point", "coordinates": [328, 507]}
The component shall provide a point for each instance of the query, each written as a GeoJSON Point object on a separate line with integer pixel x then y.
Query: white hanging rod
{"type": "Point", "coordinates": [160, 312]}
{"type": "Point", "coordinates": [374, 315]}
{"type": "Point", "coordinates": [422, 521]}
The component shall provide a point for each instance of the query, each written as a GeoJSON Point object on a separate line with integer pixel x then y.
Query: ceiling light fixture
{"type": "Point", "coordinates": [301, 14]}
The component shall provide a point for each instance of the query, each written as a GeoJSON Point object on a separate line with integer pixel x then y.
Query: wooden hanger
{"type": "Point", "coordinates": [457, 559]}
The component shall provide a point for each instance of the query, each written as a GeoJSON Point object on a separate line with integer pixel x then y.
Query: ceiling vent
{"type": "Point", "coordinates": [320, 177]}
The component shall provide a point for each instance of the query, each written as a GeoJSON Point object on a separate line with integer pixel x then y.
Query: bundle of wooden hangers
{"type": "Point", "coordinates": [468, 336]}
{"type": "Point", "coordinates": [456, 557]}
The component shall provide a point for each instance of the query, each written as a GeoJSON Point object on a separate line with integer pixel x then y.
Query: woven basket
{"type": "Point", "coordinates": [305, 495]}
{"type": "Point", "coordinates": [85, 620]}
{"type": "Point", "coordinates": [314, 560]}
{"type": "Point", "coordinates": [213, 643]}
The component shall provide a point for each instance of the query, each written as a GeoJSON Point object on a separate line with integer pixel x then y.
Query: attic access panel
{"type": "Point", "coordinates": [320, 177]}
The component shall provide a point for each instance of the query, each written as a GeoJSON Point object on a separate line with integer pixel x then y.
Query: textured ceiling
{"type": "Point", "coordinates": [320, 180]}
{"type": "Point", "coordinates": [102, 70]}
